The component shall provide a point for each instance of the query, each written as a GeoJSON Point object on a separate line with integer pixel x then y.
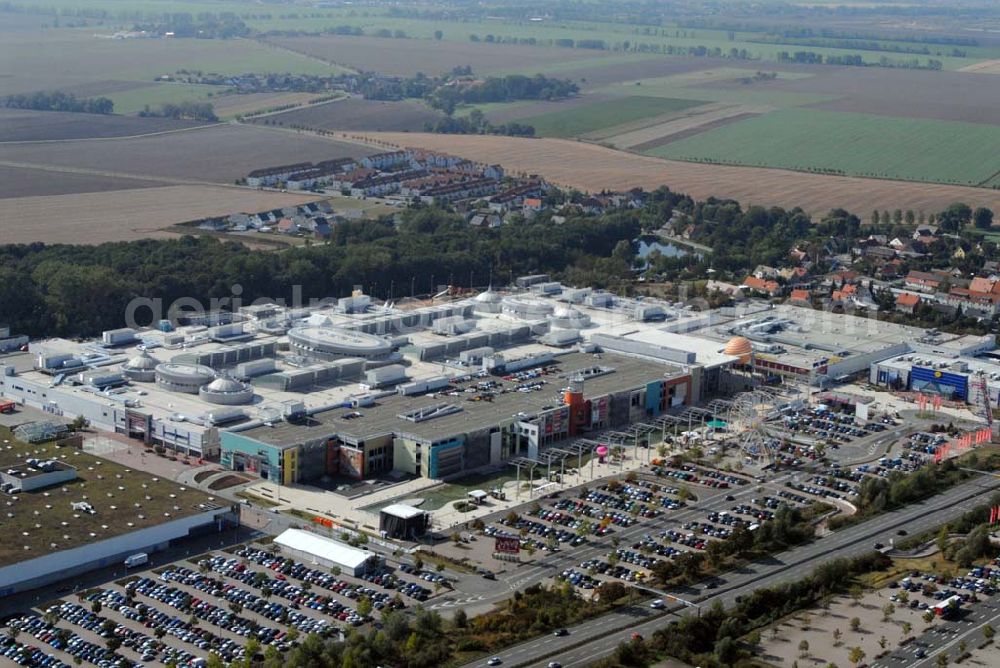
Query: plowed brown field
{"type": "Point", "coordinates": [593, 168]}
{"type": "Point", "coordinates": [126, 215]}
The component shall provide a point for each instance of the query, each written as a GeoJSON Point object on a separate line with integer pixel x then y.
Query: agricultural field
{"type": "Point", "coordinates": [359, 114]}
{"type": "Point", "coordinates": [126, 215]}
{"type": "Point", "coordinates": [233, 105]}
{"type": "Point", "coordinates": [852, 144]}
{"type": "Point", "coordinates": [26, 182]}
{"type": "Point", "coordinates": [216, 154]}
{"type": "Point", "coordinates": [580, 121]}
{"type": "Point", "coordinates": [406, 57]}
{"type": "Point", "coordinates": [74, 59]}
{"type": "Point", "coordinates": [595, 75]}
{"type": "Point", "coordinates": [27, 125]}
{"type": "Point", "coordinates": [644, 136]}
{"type": "Point", "coordinates": [226, 104]}
{"type": "Point", "coordinates": [804, 118]}
{"type": "Point", "coordinates": [985, 67]}
{"type": "Point", "coordinates": [692, 85]}
{"type": "Point", "coordinates": [134, 100]}
{"type": "Point", "coordinates": [953, 96]}
{"type": "Point", "coordinates": [757, 45]}
{"type": "Point", "coordinates": [946, 96]}
{"type": "Point", "coordinates": [593, 168]}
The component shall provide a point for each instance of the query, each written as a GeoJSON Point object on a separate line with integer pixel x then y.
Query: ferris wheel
{"type": "Point", "coordinates": [748, 419]}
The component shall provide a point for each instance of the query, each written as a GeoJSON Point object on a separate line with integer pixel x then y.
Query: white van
{"type": "Point", "coordinates": [138, 559]}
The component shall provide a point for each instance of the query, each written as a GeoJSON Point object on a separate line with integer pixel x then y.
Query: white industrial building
{"type": "Point", "coordinates": [312, 548]}
{"type": "Point", "coordinates": [56, 565]}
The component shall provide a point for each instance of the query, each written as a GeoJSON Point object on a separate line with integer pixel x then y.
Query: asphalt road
{"type": "Point", "coordinates": [599, 637]}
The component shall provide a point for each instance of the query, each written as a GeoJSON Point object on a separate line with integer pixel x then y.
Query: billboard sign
{"type": "Point", "coordinates": [507, 545]}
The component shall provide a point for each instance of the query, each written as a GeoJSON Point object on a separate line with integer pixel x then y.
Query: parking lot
{"type": "Point", "coordinates": [641, 518]}
{"type": "Point", "coordinates": [894, 627]}
{"type": "Point", "coordinates": [217, 602]}
{"type": "Point", "coordinates": [833, 427]}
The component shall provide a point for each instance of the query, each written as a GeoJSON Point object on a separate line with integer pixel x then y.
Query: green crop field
{"type": "Point", "coordinates": [578, 121]}
{"type": "Point", "coordinates": [853, 144]}
{"type": "Point", "coordinates": [133, 101]}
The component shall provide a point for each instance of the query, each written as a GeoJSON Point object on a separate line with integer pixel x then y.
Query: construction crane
{"type": "Point", "coordinates": [979, 385]}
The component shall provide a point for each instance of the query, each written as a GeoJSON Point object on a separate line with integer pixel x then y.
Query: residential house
{"type": "Point", "coordinates": [925, 235]}
{"type": "Point", "coordinates": [321, 175]}
{"type": "Point", "coordinates": [794, 275]}
{"type": "Point", "coordinates": [923, 281]}
{"type": "Point", "coordinates": [214, 225]}
{"type": "Point", "coordinates": [754, 284]}
{"type": "Point", "coordinates": [269, 176]}
{"type": "Point", "coordinates": [864, 244]}
{"type": "Point", "coordinates": [723, 288]}
{"type": "Point", "coordinates": [386, 160]}
{"type": "Point", "coordinates": [348, 179]}
{"type": "Point", "coordinates": [878, 254]}
{"type": "Point", "coordinates": [385, 183]}
{"type": "Point", "coordinates": [239, 219]}
{"type": "Point", "coordinates": [844, 276]}
{"type": "Point", "coordinates": [889, 271]}
{"type": "Point", "coordinates": [461, 190]}
{"type": "Point", "coordinates": [532, 206]}
{"type": "Point", "coordinates": [765, 272]}
{"type": "Point", "coordinates": [906, 302]}
{"type": "Point", "coordinates": [983, 304]}
{"type": "Point", "coordinates": [846, 294]}
{"type": "Point", "coordinates": [287, 226]}
{"type": "Point", "coordinates": [800, 297]}
{"type": "Point", "coordinates": [321, 228]}
{"type": "Point", "coordinates": [594, 205]}
{"type": "Point", "coordinates": [513, 198]}
{"type": "Point", "coordinates": [318, 226]}
{"type": "Point", "coordinates": [980, 284]}
{"type": "Point", "coordinates": [486, 220]}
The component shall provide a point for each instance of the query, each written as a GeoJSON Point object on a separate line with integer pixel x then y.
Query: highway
{"type": "Point", "coordinates": [598, 638]}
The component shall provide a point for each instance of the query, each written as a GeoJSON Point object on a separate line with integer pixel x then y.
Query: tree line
{"type": "Point", "coordinates": [476, 124]}
{"type": "Point", "coordinates": [59, 101]}
{"type": "Point", "coordinates": [189, 110]}
{"type": "Point", "coordinates": [503, 89]}
{"type": "Point", "coordinates": [81, 290]}
{"type": "Point", "coordinates": [877, 495]}
{"type": "Point", "coordinates": [857, 60]}
{"type": "Point", "coordinates": [204, 25]}
{"type": "Point", "coordinates": [70, 290]}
